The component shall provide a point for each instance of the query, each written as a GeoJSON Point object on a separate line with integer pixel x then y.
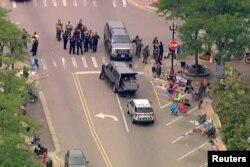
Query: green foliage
{"type": "Point", "coordinates": [233, 109]}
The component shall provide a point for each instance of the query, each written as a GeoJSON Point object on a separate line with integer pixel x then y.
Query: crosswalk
{"type": "Point", "coordinates": [74, 62]}
{"type": "Point", "coordinates": [74, 3]}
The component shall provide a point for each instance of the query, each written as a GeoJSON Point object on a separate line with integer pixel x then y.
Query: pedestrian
{"type": "Point", "coordinates": [35, 42]}
{"type": "Point", "coordinates": [200, 103]}
{"type": "Point", "coordinates": [155, 43]}
{"type": "Point", "coordinates": [79, 46]}
{"type": "Point", "coordinates": [96, 37]}
{"type": "Point", "coordinates": [139, 46]}
{"type": "Point", "coordinates": [65, 40]}
{"type": "Point", "coordinates": [91, 39]}
{"type": "Point", "coordinates": [35, 63]}
{"type": "Point", "coordinates": [72, 45]}
{"type": "Point", "coordinates": [86, 43]}
{"type": "Point", "coordinates": [161, 50]}
{"type": "Point", "coordinates": [68, 29]}
{"type": "Point", "coordinates": [59, 29]}
{"type": "Point", "coordinates": [146, 53]}
{"type": "Point", "coordinates": [155, 54]}
{"type": "Point", "coordinates": [136, 39]}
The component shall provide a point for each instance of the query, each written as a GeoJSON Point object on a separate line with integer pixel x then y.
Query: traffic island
{"type": "Point", "coordinates": [197, 71]}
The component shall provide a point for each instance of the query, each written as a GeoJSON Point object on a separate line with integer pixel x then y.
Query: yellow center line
{"type": "Point", "coordinates": [156, 94]}
{"type": "Point", "coordinates": [90, 121]}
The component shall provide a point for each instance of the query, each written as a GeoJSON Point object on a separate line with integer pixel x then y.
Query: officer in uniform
{"type": "Point", "coordinates": [65, 40]}
{"type": "Point", "coordinates": [96, 37]}
{"type": "Point", "coordinates": [79, 45]}
{"type": "Point", "coordinates": [86, 43]}
{"type": "Point", "coordinates": [72, 45]}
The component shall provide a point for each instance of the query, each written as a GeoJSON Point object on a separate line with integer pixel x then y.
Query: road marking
{"type": "Point", "coordinates": [64, 63]}
{"type": "Point", "coordinates": [49, 122]}
{"type": "Point", "coordinates": [123, 117]}
{"type": "Point", "coordinates": [205, 164]}
{"type": "Point", "coordinates": [44, 64]}
{"type": "Point", "coordinates": [54, 62]}
{"type": "Point", "coordinates": [64, 2]}
{"type": "Point", "coordinates": [73, 59]}
{"type": "Point", "coordinates": [75, 3]}
{"type": "Point", "coordinates": [103, 60]}
{"type": "Point", "coordinates": [191, 151]}
{"type": "Point", "coordinates": [180, 117]}
{"type": "Point", "coordinates": [84, 62]}
{"type": "Point", "coordinates": [114, 3]}
{"type": "Point", "coordinates": [157, 98]}
{"type": "Point", "coordinates": [94, 62]}
{"type": "Point", "coordinates": [94, 3]}
{"type": "Point", "coordinates": [35, 3]}
{"type": "Point", "coordinates": [85, 2]}
{"type": "Point", "coordinates": [45, 3]}
{"type": "Point", "coordinates": [96, 72]}
{"type": "Point", "coordinates": [179, 138]}
{"type": "Point", "coordinates": [14, 4]}
{"type": "Point", "coordinates": [124, 2]}
{"type": "Point", "coordinates": [166, 105]}
{"type": "Point", "coordinates": [90, 121]}
{"type": "Point", "coordinates": [101, 115]}
{"type": "Point", "coordinates": [54, 2]}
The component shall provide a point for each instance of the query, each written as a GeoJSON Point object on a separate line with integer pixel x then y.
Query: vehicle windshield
{"type": "Point", "coordinates": [144, 110]}
{"type": "Point", "coordinates": [77, 161]}
{"type": "Point", "coordinates": [120, 39]}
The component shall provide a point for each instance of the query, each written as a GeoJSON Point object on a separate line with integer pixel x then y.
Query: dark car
{"type": "Point", "coordinates": [75, 158]}
{"type": "Point", "coordinates": [121, 76]}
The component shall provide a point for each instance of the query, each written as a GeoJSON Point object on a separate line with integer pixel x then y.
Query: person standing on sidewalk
{"type": "Point", "coordinates": [146, 53]}
{"type": "Point", "coordinates": [161, 50]}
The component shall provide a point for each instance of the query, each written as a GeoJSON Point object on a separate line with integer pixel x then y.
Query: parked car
{"type": "Point", "coordinates": [140, 111]}
{"type": "Point", "coordinates": [121, 76]}
{"type": "Point", "coordinates": [75, 158]}
{"type": "Point", "coordinates": [117, 41]}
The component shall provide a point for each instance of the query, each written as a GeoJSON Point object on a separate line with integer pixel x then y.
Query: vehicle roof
{"type": "Point", "coordinates": [122, 68]}
{"type": "Point", "coordinates": [76, 153]}
{"type": "Point", "coordinates": [116, 24]}
{"type": "Point", "coordinates": [120, 31]}
{"type": "Point", "coordinates": [143, 103]}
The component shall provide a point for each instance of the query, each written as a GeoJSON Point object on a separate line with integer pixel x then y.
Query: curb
{"type": "Point", "coordinates": [144, 7]}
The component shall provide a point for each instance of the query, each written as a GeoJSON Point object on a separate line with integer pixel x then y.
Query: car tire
{"type": "Point", "coordinates": [114, 88]}
{"type": "Point", "coordinates": [102, 75]}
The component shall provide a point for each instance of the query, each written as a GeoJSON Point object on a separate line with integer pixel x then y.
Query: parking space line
{"type": "Point", "coordinates": [64, 63]}
{"type": "Point", "coordinates": [204, 165]}
{"type": "Point", "coordinates": [74, 62]}
{"type": "Point", "coordinates": [75, 3]}
{"type": "Point", "coordinates": [84, 62]}
{"type": "Point", "coordinates": [157, 98]}
{"type": "Point", "coordinates": [94, 62]}
{"type": "Point", "coordinates": [114, 4]}
{"type": "Point", "coordinates": [179, 138]}
{"type": "Point", "coordinates": [45, 3]}
{"type": "Point", "coordinates": [54, 2]}
{"type": "Point", "coordinates": [124, 2]}
{"type": "Point", "coordinates": [64, 3]}
{"type": "Point", "coordinates": [166, 105]}
{"type": "Point", "coordinates": [191, 151]}
{"type": "Point", "coordinates": [180, 117]}
{"type": "Point", "coordinates": [123, 117]}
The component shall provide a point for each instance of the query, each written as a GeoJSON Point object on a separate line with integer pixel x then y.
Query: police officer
{"type": "Point", "coordinates": [79, 45]}
{"type": "Point", "coordinates": [146, 53]}
{"type": "Point", "coordinates": [86, 43]}
{"type": "Point", "coordinates": [65, 40]}
{"type": "Point", "coordinates": [72, 45]}
{"type": "Point", "coordinates": [96, 37]}
{"type": "Point", "coordinates": [139, 46]}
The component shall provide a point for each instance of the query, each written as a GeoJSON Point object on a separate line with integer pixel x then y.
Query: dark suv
{"type": "Point", "coordinates": [117, 41]}
{"type": "Point", "coordinates": [121, 76]}
{"type": "Point", "coordinates": [75, 157]}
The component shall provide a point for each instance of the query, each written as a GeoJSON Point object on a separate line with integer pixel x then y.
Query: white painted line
{"type": "Point", "coordinates": [124, 2]}
{"type": "Point", "coordinates": [64, 63]}
{"type": "Point", "coordinates": [205, 164]}
{"type": "Point", "coordinates": [114, 3]}
{"type": "Point", "coordinates": [103, 60]}
{"type": "Point", "coordinates": [191, 151]}
{"type": "Point", "coordinates": [54, 62]}
{"type": "Point", "coordinates": [84, 62]}
{"type": "Point", "coordinates": [94, 72]}
{"type": "Point", "coordinates": [54, 2]}
{"type": "Point", "coordinates": [166, 105]}
{"type": "Point", "coordinates": [180, 117]}
{"type": "Point", "coordinates": [123, 117]}
{"type": "Point", "coordinates": [64, 2]}
{"type": "Point", "coordinates": [94, 3]}
{"type": "Point", "coordinates": [35, 3]}
{"type": "Point", "coordinates": [85, 2]}
{"type": "Point", "coordinates": [73, 59]}
{"type": "Point", "coordinates": [179, 138]}
{"type": "Point", "coordinates": [14, 4]}
{"type": "Point", "coordinates": [45, 3]}
{"type": "Point", "coordinates": [44, 64]}
{"type": "Point", "coordinates": [94, 62]}
{"type": "Point", "coordinates": [75, 3]}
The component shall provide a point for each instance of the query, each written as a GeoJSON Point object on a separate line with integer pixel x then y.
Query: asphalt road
{"type": "Point", "coordinates": [75, 95]}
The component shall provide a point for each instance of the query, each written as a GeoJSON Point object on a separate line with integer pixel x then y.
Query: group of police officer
{"type": "Point", "coordinates": [79, 37]}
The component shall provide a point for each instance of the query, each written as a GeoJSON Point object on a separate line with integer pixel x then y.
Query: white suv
{"type": "Point", "coordinates": [140, 111]}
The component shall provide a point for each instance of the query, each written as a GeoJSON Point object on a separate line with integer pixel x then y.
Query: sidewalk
{"type": "Point", "coordinates": [143, 4]}
{"type": "Point", "coordinates": [207, 104]}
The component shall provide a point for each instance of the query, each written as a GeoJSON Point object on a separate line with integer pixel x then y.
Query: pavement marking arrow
{"type": "Point", "coordinates": [101, 115]}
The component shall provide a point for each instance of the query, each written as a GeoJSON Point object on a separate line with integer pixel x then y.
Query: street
{"type": "Point", "coordinates": [85, 112]}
